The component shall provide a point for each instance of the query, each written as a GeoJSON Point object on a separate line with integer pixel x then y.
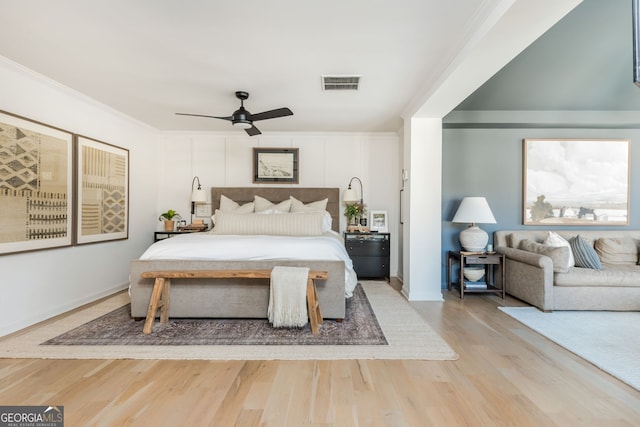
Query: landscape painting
{"type": "Point", "coordinates": [576, 182]}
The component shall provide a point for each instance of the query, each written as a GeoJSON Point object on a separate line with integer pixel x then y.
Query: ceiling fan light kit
{"type": "Point", "coordinates": [243, 119]}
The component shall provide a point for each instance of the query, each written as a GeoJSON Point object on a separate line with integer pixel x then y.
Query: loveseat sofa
{"type": "Point", "coordinates": [540, 275]}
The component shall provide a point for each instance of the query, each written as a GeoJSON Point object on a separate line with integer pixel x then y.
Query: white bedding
{"type": "Point", "coordinates": [210, 246]}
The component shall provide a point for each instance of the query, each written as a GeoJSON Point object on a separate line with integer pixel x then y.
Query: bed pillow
{"type": "Point", "coordinates": [262, 204]}
{"type": "Point", "coordinates": [228, 205]}
{"type": "Point", "coordinates": [584, 253]}
{"type": "Point", "coordinates": [617, 250]}
{"type": "Point", "coordinates": [559, 254]}
{"type": "Point", "coordinates": [554, 239]}
{"type": "Point", "coordinates": [298, 206]}
{"type": "Point", "coordinates": [298, 224]}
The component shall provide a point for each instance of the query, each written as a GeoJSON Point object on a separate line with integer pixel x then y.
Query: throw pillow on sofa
{"type": "Point", "coordinates": [584, 254]}
{"type": "Point", "coordinates": [617, 250]}
{"type": "Point", "coordinates": [559, 254]}
{"type": "Point", "coordinates": [554, 239]}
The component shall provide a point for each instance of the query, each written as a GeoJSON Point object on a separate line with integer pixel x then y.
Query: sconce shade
{"type": "Point", "coordinates": [198, 196]}
{"type": "Point", "coordinates": [474, 210]}
{"type": "Point", "coordinates": [350, 195]}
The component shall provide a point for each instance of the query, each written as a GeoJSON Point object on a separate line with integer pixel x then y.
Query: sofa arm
{"type": "Point", "coordinates": [529, 277]}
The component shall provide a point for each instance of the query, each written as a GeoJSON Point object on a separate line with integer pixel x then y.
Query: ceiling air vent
{"type": "Point", "coordinates": [340, 82]}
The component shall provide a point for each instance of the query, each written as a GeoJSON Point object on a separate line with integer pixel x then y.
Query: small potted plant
{"type": "Point", "coordinates": [169, 218]}
{"type": "Point", "coordinates": [353, 212]}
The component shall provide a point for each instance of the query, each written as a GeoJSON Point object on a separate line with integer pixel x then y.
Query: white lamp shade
{"type": "Point", "coordinates": [474, 210]}
{"type": "Point", "coordinates": [198, 196]}
{"type": "Point", "coordinates": [350, 195]}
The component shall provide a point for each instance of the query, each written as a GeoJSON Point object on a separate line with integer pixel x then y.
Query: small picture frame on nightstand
{"type": "Point", "coordinates": [379, 221]}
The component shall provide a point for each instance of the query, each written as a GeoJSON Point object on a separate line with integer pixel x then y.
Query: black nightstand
{"type": "Point", "coordinates": [369, 253]}
{"type": "Point", "coordinates": [161, 235]}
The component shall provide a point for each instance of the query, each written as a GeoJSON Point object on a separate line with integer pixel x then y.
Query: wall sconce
{"type": "Point", "coordinates": [474, 210]}
{"type": "Point", "coordinates": [350, 194]}
{"type": "Point", "coordinates": [198, 195]}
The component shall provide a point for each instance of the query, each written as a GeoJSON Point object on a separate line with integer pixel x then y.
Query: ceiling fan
{"type": "Point", "coordinates": [244, 119]}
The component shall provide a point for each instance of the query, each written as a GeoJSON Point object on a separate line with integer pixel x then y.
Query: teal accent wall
{"type": "Point", "coordinates": [488, 162]}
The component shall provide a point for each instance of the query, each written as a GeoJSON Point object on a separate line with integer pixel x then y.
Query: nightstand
{"type": "Point", "coordinates": [474, 259]}
{"type": "Point", "coordinates": [369, 253]}
{"type": "Point", "coordinates": [161, 235]}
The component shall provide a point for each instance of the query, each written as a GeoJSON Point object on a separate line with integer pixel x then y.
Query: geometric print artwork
{"type": "Point", "coordinates": [35, 185]}
{"type": "Point", "coordinates": [103, 191]}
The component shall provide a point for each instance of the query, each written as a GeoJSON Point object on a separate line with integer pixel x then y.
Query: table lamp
{"type": "Point", "coordinates": [474, 210]}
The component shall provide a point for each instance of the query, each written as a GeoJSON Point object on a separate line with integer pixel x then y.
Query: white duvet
{"type": "Point", "coordinates": [209, 246]}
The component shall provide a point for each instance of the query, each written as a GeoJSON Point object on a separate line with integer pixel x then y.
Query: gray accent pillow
{"type": "Point", "coordinates": [584, 254]}
{"type": "Point", "coordinates": [559, 254]}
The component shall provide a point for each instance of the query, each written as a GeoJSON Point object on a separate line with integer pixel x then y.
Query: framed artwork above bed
{"type": "Point", "coordinates": [275, 165]}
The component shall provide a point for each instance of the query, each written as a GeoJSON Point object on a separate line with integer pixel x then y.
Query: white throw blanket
{"type": "Point", "coordinates": [288, 297]}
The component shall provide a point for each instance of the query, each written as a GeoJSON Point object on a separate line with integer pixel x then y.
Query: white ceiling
{"type": "Point", "coordinates": [151, 58]}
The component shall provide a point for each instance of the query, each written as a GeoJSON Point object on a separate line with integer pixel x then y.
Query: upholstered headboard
{"type": "Point", "coordinates": [244, 195]}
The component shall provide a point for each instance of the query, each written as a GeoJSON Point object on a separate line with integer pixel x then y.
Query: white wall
{"type": "Point", "coordinates": [325, 160]}
{"type": "Point", "coordinates": [38, 285]}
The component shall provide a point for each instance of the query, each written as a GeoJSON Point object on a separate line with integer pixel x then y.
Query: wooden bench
{"type": "Point", "coordinates": [162, 289]}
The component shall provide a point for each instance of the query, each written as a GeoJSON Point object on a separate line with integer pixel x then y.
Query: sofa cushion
{"type": "Point", "coordinates": [554, 239]}
{"type": "Point", "coordinates": [559, 254]}
{"type": "Point", "coordinates": [611, 276]}
{"type": "Point", "coordinates": [584, 254]}
{"type": "Point", "coordinates": [617, 250]}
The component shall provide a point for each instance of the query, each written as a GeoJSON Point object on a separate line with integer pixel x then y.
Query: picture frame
{"type": "Point", "coordinates": [36, 185]}
{"type": "Point", "coordinates": [275, 165]}
{"type": "Point", "coordinates": [103, 191]}
{"type": "Point", "coordinates": [581, 182]}
{"type": "Point", "coordinates": [379, 221]}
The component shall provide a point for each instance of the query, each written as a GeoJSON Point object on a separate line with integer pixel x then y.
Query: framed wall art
{"type": "Point", "coordinates": [275, 165]}
{"type": "Point", "coordinates": [36, 185]}
{"type": "Point", "coordinates": [576, 182]}
{"type": "Point", "coordinates": [379, 221]}
{"type": "Point", "coordinates": [103, 191]}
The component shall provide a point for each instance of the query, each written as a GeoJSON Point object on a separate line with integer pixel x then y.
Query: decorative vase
{"type": "Point", "coordinates": [168, 225]}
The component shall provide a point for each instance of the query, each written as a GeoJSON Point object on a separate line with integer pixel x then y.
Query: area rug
{"type": "Point", "coordinates": [607, 339]}
{"type": "Point", "coordinates": [408, 336]}
{"type": "Point", "coordinates": [359, 327]}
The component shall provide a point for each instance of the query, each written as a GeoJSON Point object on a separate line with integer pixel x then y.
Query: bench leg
{"type": "Point", "coordinates": [156, 301]}
{"type": "Point", "coordinates": [313, 306]}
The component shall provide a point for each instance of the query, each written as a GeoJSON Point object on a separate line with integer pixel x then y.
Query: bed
{"type": "Point", "coordinates": [248, 298]}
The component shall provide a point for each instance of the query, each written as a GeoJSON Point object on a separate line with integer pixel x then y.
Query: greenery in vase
{"type": "Point", "coordinates": [354, 210]}
{"type": "Point", "coordinates": [169, 215]}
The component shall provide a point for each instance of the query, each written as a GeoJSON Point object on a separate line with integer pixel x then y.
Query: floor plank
{"type": "Point", "coordinates": [507, 374]}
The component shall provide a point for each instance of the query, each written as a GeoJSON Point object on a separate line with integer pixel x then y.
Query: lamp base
{"type": "Point", "coordinates": [474, 239]}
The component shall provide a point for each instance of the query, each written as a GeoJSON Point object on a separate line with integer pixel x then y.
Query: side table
{"type": "Point", "coordinates": [468, 259]}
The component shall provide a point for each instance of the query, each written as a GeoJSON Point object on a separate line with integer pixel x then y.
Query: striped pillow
{"type": "Point", "coordinates": [584, 254]}
{"type": "Point", "coordinates": [292, 224]}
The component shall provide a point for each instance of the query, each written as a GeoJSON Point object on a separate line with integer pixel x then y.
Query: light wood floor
{"type": "Point", "coordinates": [507, 375]}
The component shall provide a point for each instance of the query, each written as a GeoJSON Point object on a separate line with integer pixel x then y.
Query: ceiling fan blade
{"type": "Point", "coordinates": [253, 131]}
{"type": "Point", "coordinates": [271, 114]}
{"type": "Point", "coordinates": [202, 115]}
